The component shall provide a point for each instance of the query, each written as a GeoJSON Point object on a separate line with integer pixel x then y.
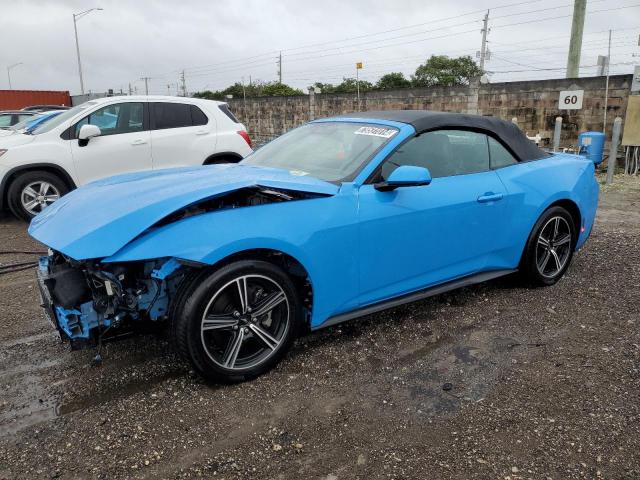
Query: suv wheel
{"type": "Point", "coordinates": [32, 192]}
{"type": "Point", "coordinates": [237, 322]}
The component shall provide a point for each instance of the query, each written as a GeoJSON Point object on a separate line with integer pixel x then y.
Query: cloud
{"type": "Point", "coordinates": [223, 41]}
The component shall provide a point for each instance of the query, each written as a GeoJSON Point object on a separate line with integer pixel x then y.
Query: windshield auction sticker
{"type": "Point", "coordinates": [376, 131]}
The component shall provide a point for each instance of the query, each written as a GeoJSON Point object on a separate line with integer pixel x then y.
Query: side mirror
{"type": "Point", "coordinates": [87, 132]}
{"type": "Point", "coordinates": [405, 176]}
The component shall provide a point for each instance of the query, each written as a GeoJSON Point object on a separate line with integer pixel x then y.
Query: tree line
{"type": "Point", "coordinates": [438, 70]}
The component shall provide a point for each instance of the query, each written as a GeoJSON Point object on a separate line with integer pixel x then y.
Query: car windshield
{"type": "Point", "coordinates": [60, 119]}
{"type": "Point", "coordinates": [330, 151]}
{"type": "Point", "coordinates": [25, 123]}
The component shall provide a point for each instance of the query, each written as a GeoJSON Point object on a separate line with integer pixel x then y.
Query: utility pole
{"type": "Point", "coordinates": [575, 45]}
{"type": "Point", "coordinates": [168, 89]}
{"type": "Point", "coordinates": [146, 84]}
{"type": "Point", "coordinates": [606, 87]}
{"type": "Point", "coordinates": [76, 17]}
{"type": "Point", "coordinates": [184, 84]}
{"type": "Point", "coordinates": [280, 68]}
{"type": "Point", "coordinates": [130, 89]}
{"type": "Point", "coordinates": [483, 48]}
{"type": "Point", "coordinates": [9, 72]}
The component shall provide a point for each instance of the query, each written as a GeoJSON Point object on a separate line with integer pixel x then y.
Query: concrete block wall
{"type": "Point", "coordinates": [533, 103]}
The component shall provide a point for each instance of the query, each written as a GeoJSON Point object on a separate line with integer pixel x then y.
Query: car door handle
{"type": "Point", "coordinates": [489, 197]}
{"type": "Point", "coordinates": [138, 141]}
{"type": "Point", "coordinates": [201, 132]}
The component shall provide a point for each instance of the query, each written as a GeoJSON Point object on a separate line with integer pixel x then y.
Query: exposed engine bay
{"type": "Point", "coordinates": [85, 300]}
{"type": "Point", "coordinates": [89, 301]}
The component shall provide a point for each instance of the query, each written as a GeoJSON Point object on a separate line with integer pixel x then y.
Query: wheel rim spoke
{"type": "Point", "coordinates": [556, 226]}
{"type": "Point", "coordinates": [44, 188]}
{"type": "Point", "coordinates": [30, 191]}
{"type": "Point", "coordinates": [543, 241]}
{"type": "Point", "coordinates": [268, 304]}
{"type": "Point", "coordinates": [545, 260]}
{"type": "Point", "coordinates": [564, 239]}
{"type": "Point", "coordinates": [234, 349]}
{"type": "Point", "coordinates": [263, 335]}
{"type": "Point", "coordinates": [31, 204]}
{"type": "Point", "coordinates": [242, 293]}
{"type": "Point", "coordinates": [218, 322]}
{"type": "Point", "coordinates": [556, 259]}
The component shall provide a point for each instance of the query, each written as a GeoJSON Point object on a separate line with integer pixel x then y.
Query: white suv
{"type": "Point", "coordinates": [114, 135]}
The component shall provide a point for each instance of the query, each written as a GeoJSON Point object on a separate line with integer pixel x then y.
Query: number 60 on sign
{"type": "Point", "coordinates": [571, 100]}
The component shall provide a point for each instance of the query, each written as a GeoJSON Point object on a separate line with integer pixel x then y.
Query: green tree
{"type": "Point", "coordinates": [256, 89]}
{"type": "Point", "coordinates": [392, 81]}
{"type": "Point", "coordinates": [325, 87]}
{"type": "Point", "coordinates": [444, 71]}
{"type": "Point", "coordinates": [348, 85]}
{"type": "Point", "coordinates": [276, 89]}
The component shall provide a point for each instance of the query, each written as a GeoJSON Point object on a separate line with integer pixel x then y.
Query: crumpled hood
{"type": "Point", "coordinates": [100, 218]}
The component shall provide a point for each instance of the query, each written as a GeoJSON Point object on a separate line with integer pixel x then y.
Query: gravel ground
{"type": "Point", "coordinates": [492, 381]}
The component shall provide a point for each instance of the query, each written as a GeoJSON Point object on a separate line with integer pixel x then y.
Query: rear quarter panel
{"type": "Point", "coordinates": [534, 186]}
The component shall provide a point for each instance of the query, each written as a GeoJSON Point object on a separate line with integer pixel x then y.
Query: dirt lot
{"type": "Point", "coordinates": [493, 381]}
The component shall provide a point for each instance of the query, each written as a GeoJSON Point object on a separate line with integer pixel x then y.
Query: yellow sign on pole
{"type": "Point", "coordinates": [359, 66]}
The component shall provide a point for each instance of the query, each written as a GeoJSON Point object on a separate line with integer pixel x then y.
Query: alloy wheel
{"type": "Point", "coordinates": [554, 247]}
{"type": "Point", "coordinates": [37, 195]}
{"type": "Point", "coordinates": [245, 322]}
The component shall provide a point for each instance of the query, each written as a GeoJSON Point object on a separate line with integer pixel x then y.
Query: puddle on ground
{"type": "Point", "coordinates": [444, 375]}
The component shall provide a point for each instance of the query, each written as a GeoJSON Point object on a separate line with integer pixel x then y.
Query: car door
{"type": "Point", "coordinates": [123, 146]}
{"type": "Point", "coordinates": [415, 237]}
{"type": "Point", "coordinates": [175, 130]}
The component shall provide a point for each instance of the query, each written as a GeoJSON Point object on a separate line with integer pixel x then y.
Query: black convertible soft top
{"type": "Point", "coordinates": [424, 120]}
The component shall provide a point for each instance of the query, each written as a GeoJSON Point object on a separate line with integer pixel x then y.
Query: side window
{"type": "Point", "coordinates": [198, 117]}
{"type": "Point", "coordinates": [5, 120]}
{"type": "Point", "coordinates": [171, 115]}
{"type": "Point", "coordinates": [26, 117]}
{"type": "Point", "coordinates": [500, 156]}
{"type": "Point", "coordinates": [444, 152]}
{"type": "Point", "coordinates": [115, 119]}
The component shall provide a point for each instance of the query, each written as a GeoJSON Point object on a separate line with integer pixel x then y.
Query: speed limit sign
{"type": "Point", "coordinates": [571, 100]}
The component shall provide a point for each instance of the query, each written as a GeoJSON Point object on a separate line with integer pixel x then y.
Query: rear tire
{"type": "Point", "coordinates": [232, 338]}
{"type": "Point", "coordinates": [549, 249]}
{"type": "Point", "coordinates": [30, 192]}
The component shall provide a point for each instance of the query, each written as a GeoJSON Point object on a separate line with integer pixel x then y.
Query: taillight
{"type": "Point", "coordinates": [246, 136]}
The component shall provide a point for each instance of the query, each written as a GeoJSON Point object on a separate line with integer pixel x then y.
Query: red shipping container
{"type": "Point", "coordinates": [18, 99]}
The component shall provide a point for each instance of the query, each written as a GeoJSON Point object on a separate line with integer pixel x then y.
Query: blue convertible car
{"type": "Point", "coordinates": [338, 218]}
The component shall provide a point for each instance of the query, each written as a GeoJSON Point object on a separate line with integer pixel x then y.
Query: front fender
{"type": "Point", "coordinates": [319, 233]}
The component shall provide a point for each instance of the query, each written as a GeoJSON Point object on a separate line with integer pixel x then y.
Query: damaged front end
{"type": "Point", "coordinates": [89, 301]}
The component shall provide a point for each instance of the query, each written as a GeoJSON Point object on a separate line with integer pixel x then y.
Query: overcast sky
{"type": "Point", "coordinates": [219, 42]}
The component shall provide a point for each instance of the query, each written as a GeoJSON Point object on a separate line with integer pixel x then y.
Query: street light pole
{"type": "Point", "coordinates": [9, 72]}
{"type": "Point", "coordinates": [76, 17]}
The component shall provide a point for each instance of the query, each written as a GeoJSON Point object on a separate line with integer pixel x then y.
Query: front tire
{"type": "Point", "coordinates": [549, 249]}
{"type": "Point", "coordinates": [32, 192]}
{"type": "Point", "coordinates": [237, 322]}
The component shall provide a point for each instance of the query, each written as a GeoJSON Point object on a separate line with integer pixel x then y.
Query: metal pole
{"type": "Point", "coordinates": [606, 88]}
{"type": "Point", "coordinates": [75, 30]}
{"type": "Point", "coordinates": [358, 87]}
{"type": "Point", "coordinates": [483, 48]}
{"type": "Point", "coordinates": [9, 77]}
{"type": "Point", "coordinates": [280, 68]}
{"type": "Point", "coordinates": [613, 149]}
{"type": "Point", "coordinates": [556, 134]}
{"type": "Point", "coordinates": [575, 45]}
